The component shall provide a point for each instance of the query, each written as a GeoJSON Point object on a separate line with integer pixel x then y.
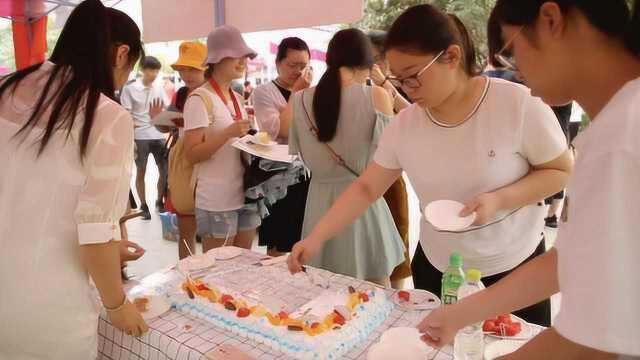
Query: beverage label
{"type": "Point", "coordinates": [449, 296]}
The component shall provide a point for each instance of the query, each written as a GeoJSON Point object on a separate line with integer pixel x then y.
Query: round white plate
{"type": "Point", "coordinates": [165, 118]}
{"type": "Point", "coordinates": [418, 300]}
{"type": "Point", "coordinates": [255, 141]}
{"type": "Point", "coordinates": [225, 252]}
{"type": "Point", "coordinates": [196, 262]}
{"type": "Point", "coordinates": [401, 333]}
{"type": "Point", "coordinates": [400, 343]}
{"type": "Point", "coordinates": [500, 348]}
{"type": "Point", "coordinates": [156, 307]}
{"type": "Point", "coordinates": [444, 215]}
{"type": "Point", "coordinates": [525, 334]}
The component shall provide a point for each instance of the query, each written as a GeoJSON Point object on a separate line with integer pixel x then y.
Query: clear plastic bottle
{"type": "Point", "coordinates": [452, 279]}
{"type": "Point", "coordinates": [469, 341]}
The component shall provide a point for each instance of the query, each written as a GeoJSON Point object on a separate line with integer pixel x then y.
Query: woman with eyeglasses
{"type": "Point", "coordinates": [283, 227]}
{"type": "Point", "coordinates": [595, 261]}
{"type": "Point", "coordinates": [484, 142]}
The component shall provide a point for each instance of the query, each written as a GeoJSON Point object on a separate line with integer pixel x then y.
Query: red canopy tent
{"type": "Point", "coordinates": [196, 19]}
{"type": "Point", "coordinates": [29, 25]}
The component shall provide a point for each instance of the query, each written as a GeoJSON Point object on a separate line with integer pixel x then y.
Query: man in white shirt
{"type": "Point", "coordinates": [138, 97]}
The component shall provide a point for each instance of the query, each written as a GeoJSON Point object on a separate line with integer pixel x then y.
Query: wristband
{"type": "Point", "coordinates": [119, 307]}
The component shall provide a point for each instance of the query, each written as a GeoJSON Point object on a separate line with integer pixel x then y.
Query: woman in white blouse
{"type": "Point", "coordinates": [66, 150]}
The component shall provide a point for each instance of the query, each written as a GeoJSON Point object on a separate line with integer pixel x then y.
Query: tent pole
{"type": "Point", "coordinates": [220, 12]}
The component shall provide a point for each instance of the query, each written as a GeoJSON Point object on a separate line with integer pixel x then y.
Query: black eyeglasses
{"type": "Point", "coordinates": [413, 81]}
{"type": "Point", "coordinates": [508, 61]}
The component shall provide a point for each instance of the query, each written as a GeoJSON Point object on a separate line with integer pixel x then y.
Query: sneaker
{"type": "Point", "coordinates": [160, 206]}
{"type": "Point", "coordinates": [551, 222]}
{"type": "Point", "coordinates": [146, 215]}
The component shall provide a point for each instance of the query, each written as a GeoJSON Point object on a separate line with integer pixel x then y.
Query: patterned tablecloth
{"type": "Point", "coordinates": [177, 336]}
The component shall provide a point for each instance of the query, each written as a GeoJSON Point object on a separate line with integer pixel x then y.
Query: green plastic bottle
{"type": "Point", "coordinates": [452, 279]}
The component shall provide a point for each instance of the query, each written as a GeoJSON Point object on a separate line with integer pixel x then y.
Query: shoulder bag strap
{"type": "Point", "coordinates": [334, 155]}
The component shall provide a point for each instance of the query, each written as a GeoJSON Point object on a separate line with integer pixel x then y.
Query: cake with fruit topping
{"type": "Point", "coordinates": [327, 327]}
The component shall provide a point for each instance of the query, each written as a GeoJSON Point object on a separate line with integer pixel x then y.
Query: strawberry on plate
{"type": "Point", "coordinates": [404, 295]}
{"type": "Point", "coordinates": [504, 319]}
{"type": "Point", "coordinates": [489, 326]}
{"type": "Point", "coordinates": [513, 329]}
{"type": "Point", "coordinates": [338, 319]}
{"type": "Point", "coordinates": [202, 287]}
{"type": "Point", "coordinates": [226, 298]}
{"type": "Point", "coordinates": [503, 326]}
{"type": "Point", "coordinates": [243, 312]}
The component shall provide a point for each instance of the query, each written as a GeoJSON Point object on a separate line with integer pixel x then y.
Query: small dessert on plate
{"type": "Point", "coordinates": [416, 299]}
{"type": "Point", "coordinates": [141, 303]}
{"type": "Point", "coordinates": [263, 138]}
{"type": "Point", "coordinates": [150, 306]}
{"type": "Point", "coordinates": [507, 327]}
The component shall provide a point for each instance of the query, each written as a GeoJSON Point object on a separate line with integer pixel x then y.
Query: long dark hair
{"type": "Point", "coordinates": [348, 48]}
{"type": "Point", "coordinates": [611, 17]}
{"type": "Point", "coordinates": [424, 29]}
{"type": "Point", "coordinates": [83, 58]}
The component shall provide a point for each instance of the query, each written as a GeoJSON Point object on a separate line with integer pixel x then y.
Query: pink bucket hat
{"type": "Point", "coordinates": [224, 42]}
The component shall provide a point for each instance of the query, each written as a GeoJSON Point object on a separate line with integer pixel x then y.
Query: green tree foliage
{"type": "Point", "coordinates": [7, 54]}
{"type": "Point", "coordinates": [380, 14]}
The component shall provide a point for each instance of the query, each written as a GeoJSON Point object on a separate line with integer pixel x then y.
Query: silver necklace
{"type": "Point", "coordinates": [469, 116]}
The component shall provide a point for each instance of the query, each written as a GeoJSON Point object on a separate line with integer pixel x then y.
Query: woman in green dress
{"type": "Point", "coordinates": [343, 118]}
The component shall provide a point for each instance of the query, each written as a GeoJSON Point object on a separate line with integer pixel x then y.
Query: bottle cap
{"type": "Point", "coordinates": [455, 260]}
{"type": "Point", "coordinates": [474, 275]}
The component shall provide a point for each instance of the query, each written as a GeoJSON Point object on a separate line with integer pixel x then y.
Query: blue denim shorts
{"type": "Point", "coordinates": [220, 224]}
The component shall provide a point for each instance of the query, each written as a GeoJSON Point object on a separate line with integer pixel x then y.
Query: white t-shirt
{"type": "Point", "coordinates": [510, 131]}
{"type": "Point", "coordinates": [137, 99]}
{"type": "Point", "coordinates": [268, 103]}
{"type": "Point", "coordinates": [220, 178]}
{"type": "Point", "coordinates": [599, 248]}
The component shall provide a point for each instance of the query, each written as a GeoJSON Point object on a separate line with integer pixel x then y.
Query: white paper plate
{"type": "Point", "coordinates": [225, 252]}
{"type": "Point", "coordinates": [156, 307]}
{"type": "Point", "coordinates": [418, 300]}
{"type": "Point", "coordinates": [525, 334]}
{"type": "Point", "coordinates": [500, 348]}
{"type": "Point", "coordinates": [196, 262]}
{"type": "Point", "coordinates": [165, 117]}
{"type": "Point", "coordinates": [444, 215]}
{"type": "Point", "coordinates": [400, 343]}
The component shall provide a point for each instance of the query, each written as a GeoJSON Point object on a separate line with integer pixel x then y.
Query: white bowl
{"type": "Point", "coordinates": [445, 215]}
